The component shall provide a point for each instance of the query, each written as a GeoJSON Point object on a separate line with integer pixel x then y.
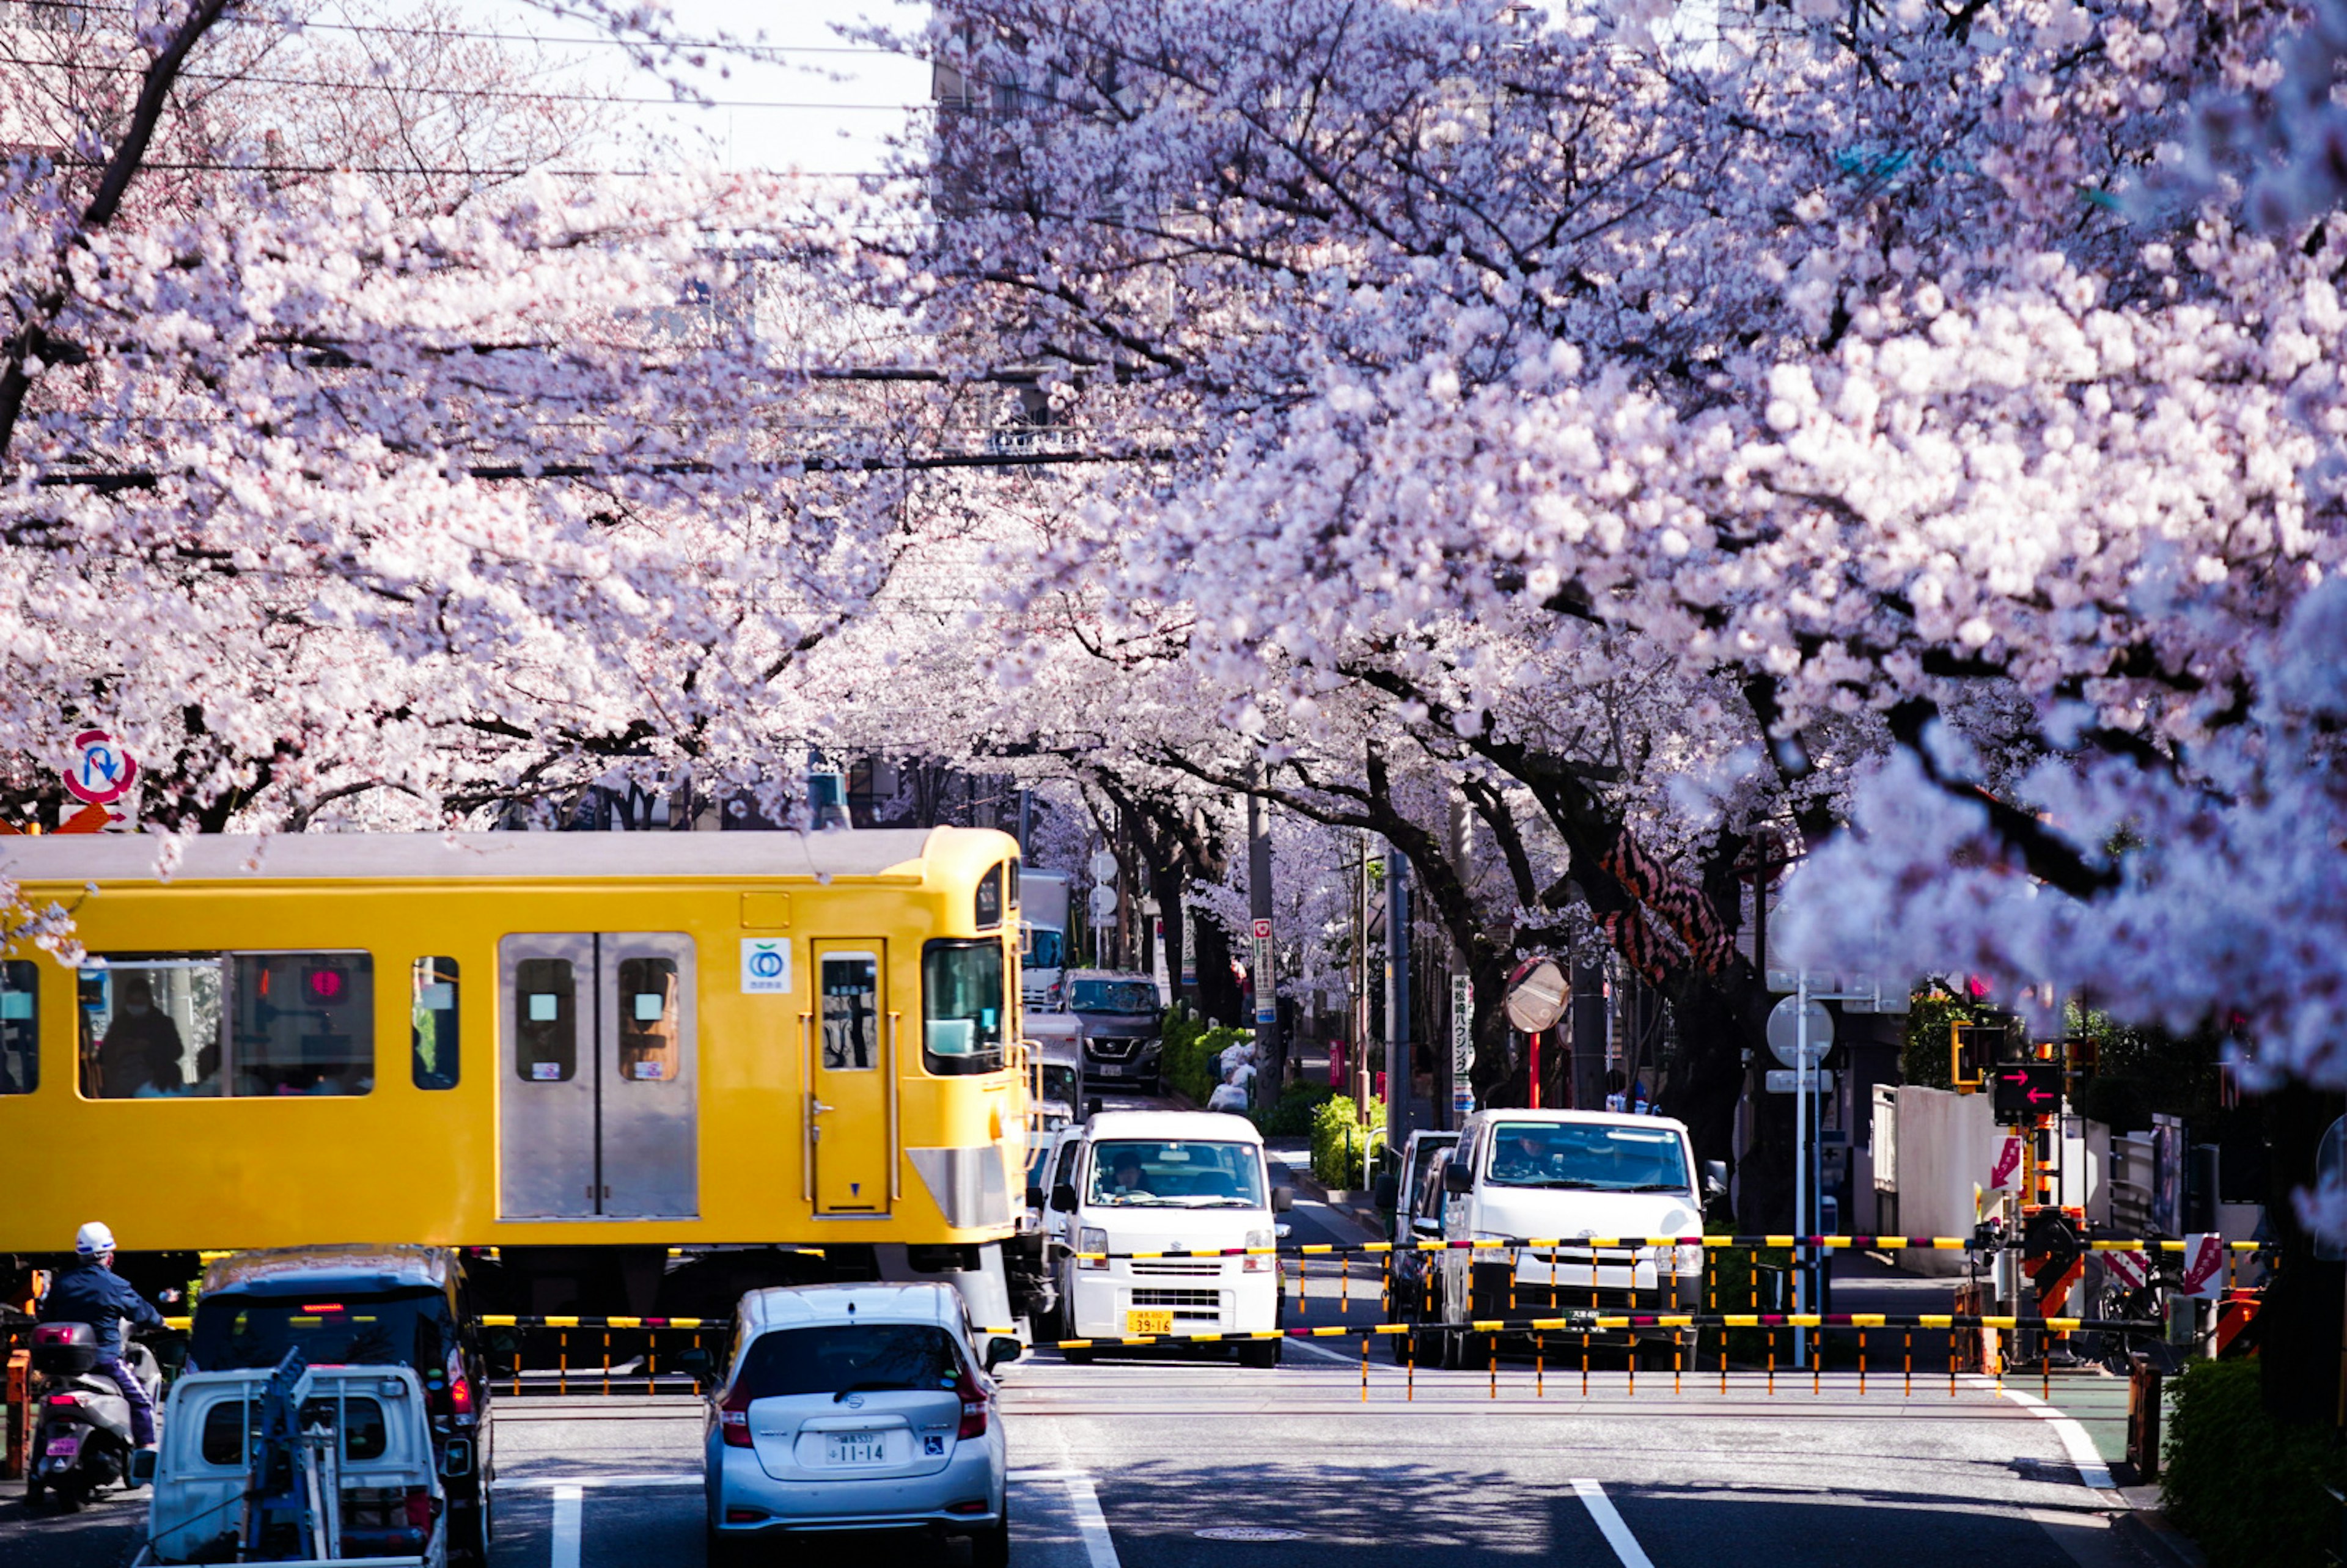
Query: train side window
{"type": "Point", "coordinates": [435, 1041]}
{"type": "Point", "coordinates": [962, 1015]}
{"type": "Point", "coordinates": [302, 1023]}
{"type": "Point", "coordinates": [20, 1027]}
{"type": "Point", "coordinates": [648, 1021]}
{"type": "Point", "coordinates": [149, 1025]}
{"type": "Point", "coordinates": [545, 1020]}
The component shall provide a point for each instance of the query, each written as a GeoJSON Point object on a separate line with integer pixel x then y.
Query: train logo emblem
{"type": "Point", "coordinates": [765, 966]}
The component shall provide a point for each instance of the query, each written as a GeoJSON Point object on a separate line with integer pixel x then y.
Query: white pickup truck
{"type": "Point", "coordinates": [343, 1474]}
{"type": "Point", "coordinates": [1167, 1181]}
{"type": "Point", "coordinates": [1555, 1176]}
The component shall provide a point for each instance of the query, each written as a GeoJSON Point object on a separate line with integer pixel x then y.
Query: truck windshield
{"type": "Point", "coordinates": [1154, 1172]}
{"type": "Point", "coordinates": [1045, 949]}
{"type": "Point", "coordinates": [1113, 995]}
{"type": "Point", "coordinates": [1591, 1156]}
{"type": "Point", "coordinates": [1060, 1082]}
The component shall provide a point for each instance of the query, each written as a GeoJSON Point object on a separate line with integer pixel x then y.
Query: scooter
{"type": "Point", "coordinates": [83, 1442]}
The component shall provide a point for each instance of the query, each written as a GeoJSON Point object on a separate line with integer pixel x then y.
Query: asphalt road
{"type": "Point", "coordinates": [1169, 1462]}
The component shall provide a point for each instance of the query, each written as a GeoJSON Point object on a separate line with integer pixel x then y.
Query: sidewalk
{"type": "Point", "coordinates": [1295, 1152]}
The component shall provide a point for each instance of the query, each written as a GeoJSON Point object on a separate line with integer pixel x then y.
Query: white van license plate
{"type": "Point", "coordinates": [855, 1447]}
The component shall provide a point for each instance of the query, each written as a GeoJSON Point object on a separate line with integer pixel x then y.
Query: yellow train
{"type": "Point", "coordinates": [649, 1069]}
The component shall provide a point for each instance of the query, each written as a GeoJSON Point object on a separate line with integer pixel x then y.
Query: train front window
{"type": "Point", "coordinates": [20, 1027]}
{"type": "Point", "coordinates": [962, 1017]}
{"type": "Point", "coordinates": [432, 1041]}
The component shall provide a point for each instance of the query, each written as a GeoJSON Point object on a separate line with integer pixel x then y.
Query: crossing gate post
{"type": "Point", "coordinates": [2143, 1416]}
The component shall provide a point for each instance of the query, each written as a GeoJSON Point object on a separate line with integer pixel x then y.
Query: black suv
{"type": "Point", "coordinates": [1123, 1025]}
{"type": "Point", "coordinates": [361, 1306]}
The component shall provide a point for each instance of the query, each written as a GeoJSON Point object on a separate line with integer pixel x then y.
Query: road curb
{"type": "Point", "coordinates": [2149, 1532]}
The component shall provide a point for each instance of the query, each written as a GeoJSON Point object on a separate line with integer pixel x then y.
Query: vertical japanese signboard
{"type": "Point", "coordinates": [1462, 1048]}
{"type": "Point", "coordinates": [1266, 989]}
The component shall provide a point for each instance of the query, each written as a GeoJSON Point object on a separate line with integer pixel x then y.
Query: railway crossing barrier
{"type": "Point", "coordinates": [594, 1370]}
{"type": "Point", "coordinates": [648, 1354]}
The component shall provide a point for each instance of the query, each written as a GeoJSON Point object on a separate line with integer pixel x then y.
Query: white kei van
{"type": "Point", "coordinates": [1555, 1175]}
{"type": "Point", "coordinates": [1167, 1181]}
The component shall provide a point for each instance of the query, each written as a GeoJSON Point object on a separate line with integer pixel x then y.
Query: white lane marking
{"type": "Point", "coordinates": [1090, 1522]}
{"type": "Point", "coordinates": [2091, 1468]}
{"type": "Point", "coordinates": [1609, 1524]}
{"type": "Point", "coordinates": [566, 1525]}
{"type": "Point", "coordinates": [558, 1482]}
{"type": "Point", "coordinates": [1319, 1350]}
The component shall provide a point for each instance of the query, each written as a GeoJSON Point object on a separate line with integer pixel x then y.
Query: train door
{"type": "Point", "coordinates": [596, 1106]}
{"type": "Point", "coordinates": [851, 1100]}
{"type": "Point", "coordinates": [651, 1158]}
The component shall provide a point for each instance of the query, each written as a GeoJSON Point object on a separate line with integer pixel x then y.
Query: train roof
{"type": "Point", "coordinates": [438, 856]}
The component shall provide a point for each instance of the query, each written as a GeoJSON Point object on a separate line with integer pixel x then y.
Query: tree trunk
{"type": "Point", "coordinates": [1218, 989]}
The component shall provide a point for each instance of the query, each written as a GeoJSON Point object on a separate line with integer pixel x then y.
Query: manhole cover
{"type": "Point", "coordinates": [1248, 1532]}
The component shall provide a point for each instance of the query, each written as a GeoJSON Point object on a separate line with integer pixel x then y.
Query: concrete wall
{"type": "Point", "coordinates": [1946, 1144]}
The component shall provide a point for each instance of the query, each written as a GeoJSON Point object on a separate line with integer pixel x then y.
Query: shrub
{"type": "Point", "coordinates": [1340, 1149]}
{"type": "Point", "coordinates": [1294, 1112]}
{"type": "Point", "coordinates": [2248, 1490]}
{"type": "Point", "coordinates": [1186, 1060]}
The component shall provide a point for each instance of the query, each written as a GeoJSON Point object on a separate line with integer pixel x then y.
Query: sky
{"type": "Point", "coordinates": [810, 101]}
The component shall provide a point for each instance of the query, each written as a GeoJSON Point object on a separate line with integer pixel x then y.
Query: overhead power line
{"type": "Point", "coordinates": [525, 94]}
{"type": "Point", "coordinates": [721, 45]}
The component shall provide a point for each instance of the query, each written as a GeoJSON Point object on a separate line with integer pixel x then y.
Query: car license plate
{"type": "Point", "coordinates": [63, 1448]}
{"type": "Point", "coordinates": [1149, 1320]}
{"type": "Point", "coordinates": [855, 1447]}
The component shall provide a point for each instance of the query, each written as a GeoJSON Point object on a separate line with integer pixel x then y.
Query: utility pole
{"type": "Point", "coordinates": [1270, 1049]}
{"type": "Point", "coordinates": [1359, 1022]}
{"type": "Point", "coordinates": [1455, 1100]}
{"type": "Point", "coordinates": [1400, 1112]}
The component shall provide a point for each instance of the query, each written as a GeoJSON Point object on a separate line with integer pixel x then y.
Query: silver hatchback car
{"type": "Point", "coordinates": [856, 1406]}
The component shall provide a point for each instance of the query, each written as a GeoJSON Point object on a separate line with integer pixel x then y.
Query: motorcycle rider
{"type": "Point", "coordinates": [88, 1292]}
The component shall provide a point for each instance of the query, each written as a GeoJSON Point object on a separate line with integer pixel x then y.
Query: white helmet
{"type": "Point", "coordinates": [94, 1240]}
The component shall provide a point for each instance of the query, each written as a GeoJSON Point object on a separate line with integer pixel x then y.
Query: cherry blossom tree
{"type": "Point", "coordinates": [1910, 449]}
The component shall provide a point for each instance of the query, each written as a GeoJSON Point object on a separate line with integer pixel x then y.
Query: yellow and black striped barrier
{"type": "Point", "coordinates": [520, 1320]}
{"type": "Point", "coordinates": [1634, 1242]}
{"type": "Point", "coordinates": [1599, 1322]}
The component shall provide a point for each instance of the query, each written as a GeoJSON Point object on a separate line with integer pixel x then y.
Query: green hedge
{"type": "Point", "coordinates": [2248, 1490]}
{"type": "Point", "coordinates": [1187, 1058]}
{"type": "Point", "coordinates": [1298, 1104]}
{"type": "Point", "coordinates": [1339, 1148]}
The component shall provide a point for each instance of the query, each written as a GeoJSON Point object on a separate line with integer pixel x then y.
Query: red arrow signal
{"type": "Point", "coordinates": [2019, 1075]}
{"type": "Point", "coordinates": [2037, 1094]}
